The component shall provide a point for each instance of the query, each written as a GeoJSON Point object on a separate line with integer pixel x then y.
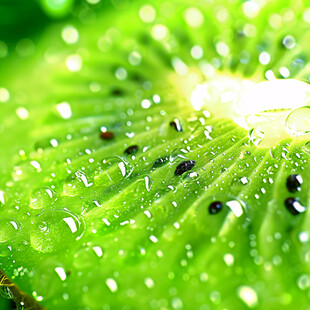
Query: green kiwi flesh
{"type": "Point", "coordinates": [108, 173]}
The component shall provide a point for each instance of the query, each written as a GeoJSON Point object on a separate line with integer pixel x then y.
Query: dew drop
{"type": "Point", "coordinates": [298, 121]}
{"type": "Point", "coordinates": [256, 136]}
{"type": "Point", "coordinates": [76, 182]}
{"type": "Point", "coordinates": [87, 257]}
{"type": "Point", "coordinates": [144, 184]}
{"type": "Point", "coordinates": [190, 177]}
{"type": "Point", "coordinates": [114, 169]}
{"type": "Point", "coordinates": [289, 42]}
{"type": "Point", "coordinates": [306, 147]}
{"type": "Point", "coordinates": [55, 230]}
{"type": "Point", "coordinates": [8, 229]}
{"type": "Point", "coordinates": [42, 197]}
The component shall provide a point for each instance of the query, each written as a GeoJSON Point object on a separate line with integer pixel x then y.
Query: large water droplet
{"type": "Point", "coordinates": [87, 257]}
{"type": "Point", "coordinates": [54, 230]}
{"type": "Point", "coordinates": [42, 197]}
{"type": "Point", "coordinates": [298, 122]}
{"type": "Point", "coordinates": [144, 184]}
{"type": "Point", "coordinates": [256, 136]}
{"type": "Point", "coordinates": [76, 182]}
{"type": "Point", "coordinates": [114, 169]}
{"type": "Point", "coordinates": [306, 147]}
{"type": "Point", "coordinates": [8, 229]}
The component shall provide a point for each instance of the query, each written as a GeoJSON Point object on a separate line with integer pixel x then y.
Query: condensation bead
{"type": "Point", "coordinates": [8, 229]}
{"type": "Point", "coordinates": [76, 183]}
{"type": "Point", "coordinates": [55, 230]}
{"type": "Point", "coordinates": [42, 197]}
{"type": "Point", "coordinates": [298, 122]}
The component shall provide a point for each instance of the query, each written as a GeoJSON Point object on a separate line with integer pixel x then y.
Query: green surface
{"type": "Point", "coordinates": [83, 225]}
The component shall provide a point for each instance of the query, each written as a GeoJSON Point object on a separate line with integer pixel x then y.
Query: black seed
{"type": "Point", "coordinates": [184, 166]}
{"type": "Point", "coordinates": [176, 125]}
{"type": "Point", "coordinates": [294, 206]}
{"type": "Point", "coordinates": [107, 135]}
{"type": "Point", "coordinates": [293, 183]}
{"type": "Point", "coordinates": [131, 149]}
{"type": "Point", "coordinates": [117, 92]}
{"type": "Point", "coordinates": [215, 207]}
{"type": "Point", "coordinates": [160, 162]}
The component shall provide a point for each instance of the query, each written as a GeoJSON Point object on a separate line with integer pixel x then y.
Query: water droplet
{"type": "Point", "coordinates": [256, 136]}
{"type": "Point", "coordinates": [8, 229]}
{"type": "Point", "coordinates": [248, 295]}
{"type": "Point", "coordinates": [289, 42]}
{"type": "Point", "coordinates": [306, 147]}
{"type": "Point", "coordinates": [190, 177]}
{"type": "Point", "coordinates": [111, 284]}
{"type": "Point", "coordinates": [298, 121]}
{"type": "Point", "coordinates": [144, 183]}
{"type": "Point", "coordinates": [87, 257]}
{"type": "Point", "coordinates": [114, 169]}
{"type": "Point", "coordinates": [42, 197]}
{"type": "Point", "coordinates": [54, 230]}
{"type": "Point", "coordinates": [303, 282]}
{"type": "Point", "coordinates": [76, 182]}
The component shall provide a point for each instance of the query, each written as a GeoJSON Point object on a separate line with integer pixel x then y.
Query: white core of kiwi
{"type": "Point", "coordinates": [262, 108]}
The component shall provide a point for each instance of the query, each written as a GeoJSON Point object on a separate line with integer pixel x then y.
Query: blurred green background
{"type": "Point", "coordinates": [23, 22]}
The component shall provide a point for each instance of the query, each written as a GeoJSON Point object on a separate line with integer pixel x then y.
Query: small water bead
{"type": "Point", "coordinates": [256, 136]}
{"type": "Point", "coordinates": [144, 184]}
{"type": "Point", "coordinates": [8, 229]}
{"type": "Point", "coordinates": [190, 177]}
{"type": "Point", "coordinates": [70, 35]}
{"type": "Point", "coordinates": [289, 42]}
{"type": "Point", "coordinates": [294, 206]}
{"type": "Point", "coordinates": [74, 63]}
{"type": "Point", "coordinates": [303, 281]}
{"type": "Point", "coordinates": [76, 182]}
{"type": "Point", "coordinates": [115, 168]}
{"type": "Point", "coordinates": [178, 155]}
{"type": "Point", "coordinates": [87, 257]}
{"type": "Point", "coordinates": [54, 230]}
{"type": "Point", "coordinates": [4, 95]}
{"type": "Point", "coordinates": [42, 197]}
{"type": "Point", "coordinates": [306, 147]}
{"type": "Point", "coordinates": [176, 124]}
{"type": "Point", "coordinates": [298, 121]}
{"type": "Point", "coordinates": [248, 295]}
{"type": "Point", "coordinates": [293, 183]}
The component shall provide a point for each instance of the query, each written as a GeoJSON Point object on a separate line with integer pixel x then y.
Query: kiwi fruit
{"type": "Point", "coordinates": [156, 156]}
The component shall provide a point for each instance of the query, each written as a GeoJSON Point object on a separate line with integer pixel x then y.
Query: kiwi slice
{"type": "Point", "coordinates": [155, 156]}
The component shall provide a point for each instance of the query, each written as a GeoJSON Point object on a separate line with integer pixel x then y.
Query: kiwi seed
{"type": "Point", "coordinates": [215, 207]}
{"type": "Point", "coordinates": [184, 166]}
